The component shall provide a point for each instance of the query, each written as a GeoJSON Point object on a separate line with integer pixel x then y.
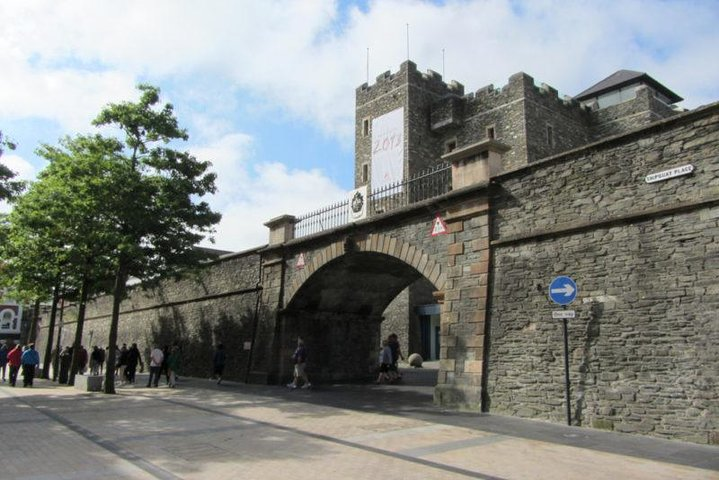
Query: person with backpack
{"type": "Point", "coordinates": [300, 359]}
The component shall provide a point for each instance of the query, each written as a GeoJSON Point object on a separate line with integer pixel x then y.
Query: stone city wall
{"type": "Point", "coordinates": [643, 348]}
{"type": "Point", "coordinates": [217, 305]}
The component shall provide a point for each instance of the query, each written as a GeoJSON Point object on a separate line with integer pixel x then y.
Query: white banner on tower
{"type": "Point", "coordinates": [388, 149]}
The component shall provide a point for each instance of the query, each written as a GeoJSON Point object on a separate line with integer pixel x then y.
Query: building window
{"type": "Point", "coordinates": [366, 129]}
{"type": "Point", "coordinates": [450, 145]}
{"type": "Point", "coordinates": [490, 133]}
{"type": "Point", "coordinates": [365, 173]}
{"type": "Point", "coordinates": [550, 136]}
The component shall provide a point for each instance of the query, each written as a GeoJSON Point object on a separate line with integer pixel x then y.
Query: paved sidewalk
{"type": "Point", "coordinates": [201, 430]}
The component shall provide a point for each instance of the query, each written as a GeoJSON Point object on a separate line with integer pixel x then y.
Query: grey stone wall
{"type": "Point", "coordinates": [217, 305]}
{"type": "Point", "coordinates": [643, 348]}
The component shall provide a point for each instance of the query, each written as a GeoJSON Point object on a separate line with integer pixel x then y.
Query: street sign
{"type": "Point", "coordinates": [559, 314]}
{"type": "Point", "coordinates": [562, 290]}
{"type": "Point", "coordinates": [438, 227]}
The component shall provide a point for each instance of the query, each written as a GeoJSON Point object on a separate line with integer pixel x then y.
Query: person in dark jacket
{"type": "Point", "coordinates": [133, 359]}
{"type": "Point", "coordinates": [121, 364]}
{"type": "Point", "coordinates": [82, 358]}
{"type": "Point", "coordinates": [30, 360]}
{"type": "Point", "coordinates": [218, 362]}
{"type": "Point", "coordinates": [3, 360]}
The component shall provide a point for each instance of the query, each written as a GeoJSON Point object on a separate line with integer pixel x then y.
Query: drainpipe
{"type": "Point", "coordinates": [255, 320]}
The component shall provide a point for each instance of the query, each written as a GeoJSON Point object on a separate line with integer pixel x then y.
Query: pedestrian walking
{"type": "Point", "coordinates": [14, 359]}
{"type": "Point", "coordinates": [156, 359]}
{"type": "Point", "coordinates": [218, 363]}
{"type": "Point", "coordinates": [121, 364]}
{"type": "Point", "coordinates": [65, 362]}
{"type": "Point", "coordinates": [100, 359]}
{"type": "Point", "coordinates": [82, 359]}
{"type": "Point", "coordinates": [300, 359]}
{"type": "Point", "coordinates": [173, 365]}
{"type": "Point", "coordinates": [3, 360]}
{"type": "Point", "coordinates": [94, 367]}
{"type": "Point", "coordinates": [385, 363]}
{"type": "Point", "coordinates": [164, 369]}
{"type": "Point", "coordinates": [30, 360]}
{"type": "Point", "coordinates": [396, 355]}
{"type": "Point", "coordinates": [133, 359]}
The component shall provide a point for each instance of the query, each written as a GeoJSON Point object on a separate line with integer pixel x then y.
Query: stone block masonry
{"type": "Point", "coordinates": [644, 344]}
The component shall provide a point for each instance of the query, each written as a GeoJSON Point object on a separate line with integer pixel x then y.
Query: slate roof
{"type": "Point", "coordinates": [622, 78]}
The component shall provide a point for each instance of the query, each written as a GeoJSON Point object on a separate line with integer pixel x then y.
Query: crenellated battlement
{"type": "Point", "coordinates": [519, 85]}
{"type": "Point", "coordinates": [408, 74]}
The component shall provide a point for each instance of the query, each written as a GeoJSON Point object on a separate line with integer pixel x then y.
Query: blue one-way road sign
{"type": "Point", "coordinates": [562, 290]}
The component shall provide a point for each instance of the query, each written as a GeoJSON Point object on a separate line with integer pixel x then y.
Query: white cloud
{"type": "Point", "coordinates": [63, 60]}
{"type": "Point", "coordinates": [293, 55]}
{"type": "Point", "coordinates": [249, 193]}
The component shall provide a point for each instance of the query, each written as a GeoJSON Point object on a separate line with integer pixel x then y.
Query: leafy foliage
{"type": "Point", "coordinates": [9, 188]}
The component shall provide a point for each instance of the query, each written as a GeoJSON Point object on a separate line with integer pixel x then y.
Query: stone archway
{"type": "Point", "coordinates": [336, 303]}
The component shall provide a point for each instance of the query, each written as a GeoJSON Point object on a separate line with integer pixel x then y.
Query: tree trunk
{"type": "Point", "coordinates": [118, 292]}
{"type": "Point", "coordinates": [32, 334]}
{"type": "Point", "coordinates": [50, 334]}
{"type": "Point", "coordinates": [78, 332]}
{"type": "Point", "coordinates": [58, 347]}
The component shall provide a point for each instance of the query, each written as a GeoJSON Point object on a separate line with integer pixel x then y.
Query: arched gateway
{"type": "Point", "coordinates": [336, 301]}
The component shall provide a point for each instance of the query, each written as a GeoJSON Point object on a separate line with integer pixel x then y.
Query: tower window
{"type": "Point", "coordinates": [450, 145]}
{"type": "Point", "coordinates": [365, 127]}
{"type": "Point", "coordinates": [550, 136]}
{"type": "Point", "coordinates": [365, 173]}
{"type": "Point", "coordinates": [490, 133]}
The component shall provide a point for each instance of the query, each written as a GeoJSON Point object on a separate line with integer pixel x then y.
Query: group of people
{"type": "Point", "coordinates": [25, 357]}
{"type": "Point", "coordinates": [161, 361]}
{"type": "Point", "coordinates": [166, 361]}
{"type": "Point", "coordinates": [388, 358]}
{"type": "Point", "coordinates": [95, 359]}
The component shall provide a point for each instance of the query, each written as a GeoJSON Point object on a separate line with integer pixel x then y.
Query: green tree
{"type": "Point", "coordinates": [8, 187]}
{"type": "Point", "coordinates": [161, 218]}
{"type": "Point", "coordinates": [61, 230]}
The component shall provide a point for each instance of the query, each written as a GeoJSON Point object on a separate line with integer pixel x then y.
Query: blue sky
{"type": "Point", "coordinates": [266, 89]}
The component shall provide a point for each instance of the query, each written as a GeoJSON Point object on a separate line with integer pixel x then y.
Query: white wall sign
{"type": "Point", "coordinates": [10, 316]}
{"type": "Point", "coordinates": [667, 174]}
{"type": "Point", "coordinates": [358, 203]}
{"type": "Point", "coordinates": [300, 262]}
{"type": "Point", "coordinates": [388, 149]}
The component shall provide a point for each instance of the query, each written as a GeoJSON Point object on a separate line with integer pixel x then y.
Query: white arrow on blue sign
{"type": "Point", "coordinates": [563, 290]}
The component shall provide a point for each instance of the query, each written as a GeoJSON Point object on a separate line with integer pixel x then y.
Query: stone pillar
{"type": "Point", "coordinates": [475, 163]}
{"type": "Point", "coordinates": [282, 229]}
{"type": "Point", "coordinates": [462, 328]}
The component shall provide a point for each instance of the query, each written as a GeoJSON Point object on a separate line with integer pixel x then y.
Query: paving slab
{"type": "Point", "coordinates": [202, 430]}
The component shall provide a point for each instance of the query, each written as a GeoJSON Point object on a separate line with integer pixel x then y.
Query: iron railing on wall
{"type": "Point", "coordinates": [427, 184]}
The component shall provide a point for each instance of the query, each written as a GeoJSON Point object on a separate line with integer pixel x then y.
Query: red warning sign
{"type": "Point", "coordinates": [438, 227]}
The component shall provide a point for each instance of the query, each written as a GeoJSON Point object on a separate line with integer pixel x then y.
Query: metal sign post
{"type": "Point", "coordinates": [563, 291]}
{"type": "Point", "coordinates": [566, 372]}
